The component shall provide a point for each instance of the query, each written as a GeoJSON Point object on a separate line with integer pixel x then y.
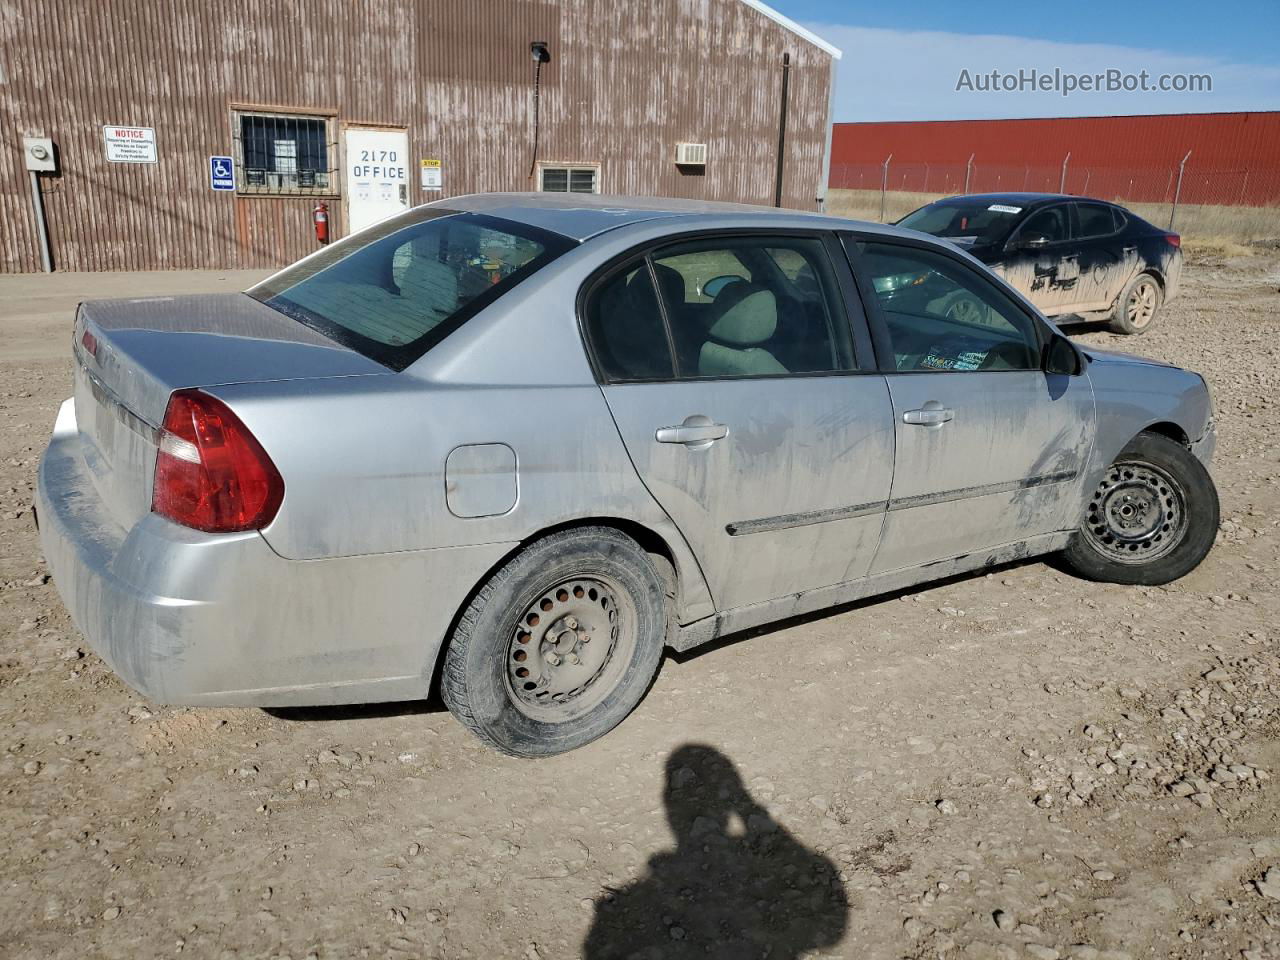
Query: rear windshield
{"type": "Point", "coordinates": [394, 291]}
{"type": "Point", "coordinates": [984, 222]}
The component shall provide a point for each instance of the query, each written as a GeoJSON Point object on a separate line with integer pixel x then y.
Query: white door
{"type": "Point", "coordinates": [377, 175]}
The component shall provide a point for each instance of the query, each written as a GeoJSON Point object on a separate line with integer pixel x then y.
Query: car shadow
{"type": "Point", "coordinates": [798, 620]}
{"type": "Point", "coordinates": [358, 711]}
{"type": "Point", "coordinates": [737, 883]}
{"type": "Point", "coordinates": [433, 704]}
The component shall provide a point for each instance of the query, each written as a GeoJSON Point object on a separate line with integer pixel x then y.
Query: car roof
{"type": "Point", "coordinates": [581, 216]}
{"type": "Point", "coordinates": [1025, 200]}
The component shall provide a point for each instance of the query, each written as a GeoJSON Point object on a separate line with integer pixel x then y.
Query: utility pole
{"type": "Point", "coordinates": [1177, 191]}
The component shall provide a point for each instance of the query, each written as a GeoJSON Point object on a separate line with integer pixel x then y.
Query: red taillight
{"type": "Point", "coordinates": [90, 343]}
{"type": "Point", "coordinates": [1174, 239]}
{"type": "Point", "coordinates": [211, 474]}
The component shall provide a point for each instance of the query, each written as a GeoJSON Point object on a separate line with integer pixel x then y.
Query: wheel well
{"type": "Point", "coordinates": [652, 544]}
{"type": "Point", "coordinates": [1155, 275]}
{"type": "Point", "coordinates": [1170, 430]}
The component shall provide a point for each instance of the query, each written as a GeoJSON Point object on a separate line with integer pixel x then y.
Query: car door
{"type": "Point", "coordinates": [1040, 259]}
{"type": "Point", "coordinates": [990, 448]}
{"type": "Point", "coordinates": [728, 363]}
{"type": "Point", "coordinates": [1107, 259]}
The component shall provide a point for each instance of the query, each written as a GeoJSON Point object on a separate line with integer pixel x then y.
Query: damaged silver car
{"type": "Point", "coordinates": [515, 446]}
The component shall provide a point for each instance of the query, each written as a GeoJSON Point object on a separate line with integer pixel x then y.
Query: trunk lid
{"type": "Point", "coordinates": [132, 354]}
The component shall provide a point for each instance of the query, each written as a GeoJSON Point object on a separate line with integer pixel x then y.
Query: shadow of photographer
{"type": "Point", "coordinates": [737, 885]}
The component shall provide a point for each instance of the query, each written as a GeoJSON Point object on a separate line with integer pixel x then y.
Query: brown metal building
{"type": "Point", "coordinates": [370, 106]}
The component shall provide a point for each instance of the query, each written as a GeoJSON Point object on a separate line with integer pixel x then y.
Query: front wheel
{"type": "Point", "coordinates": [1151, 519]}
{"type": "Point", "coordinates": [1136, 306]}
{"type": "Point", "coordinates": [559, 645]}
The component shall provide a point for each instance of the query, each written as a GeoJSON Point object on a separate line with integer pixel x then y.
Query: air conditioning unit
{"type": "Point", "coordinates": [691, 154]}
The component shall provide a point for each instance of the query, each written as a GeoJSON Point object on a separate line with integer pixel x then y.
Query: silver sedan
{"type": "Point", "coordinates": [515, 446]}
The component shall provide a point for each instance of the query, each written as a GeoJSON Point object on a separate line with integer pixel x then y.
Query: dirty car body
{"type": "Point", "coordinates": [730, 388]}
{"type": "Point", "coordinates": [1067, 254]}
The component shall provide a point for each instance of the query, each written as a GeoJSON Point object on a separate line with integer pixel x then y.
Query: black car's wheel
{"type": "Point", "coordinates": [1137, 305]}
{"type": "Point", "coordinates": [559, 645]}
{"type": "Point", "coordinates": [1151, 519]}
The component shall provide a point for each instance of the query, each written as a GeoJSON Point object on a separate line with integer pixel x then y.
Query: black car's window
{"type": "Point", "coordinates": [1096, 220]}
{"type": "Point", "coordinates": [942, 316]}
{"type": "Point", "coordinates": [395, 290]}
{"type": "Point", "coordinates": [753, 306]}
{"type": "Point", "coordinates": [1051, 223]}
{"type": "Point", "coordinates": [985, 222]}
{"type": "Point", "coordinates": [624, 324]}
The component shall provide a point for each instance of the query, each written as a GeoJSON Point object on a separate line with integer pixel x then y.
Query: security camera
{"type": "Point", "coordinates": [538, 50]}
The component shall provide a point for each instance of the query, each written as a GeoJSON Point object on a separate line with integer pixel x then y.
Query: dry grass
{"type": "Point", "coordinates": [1206, 223]}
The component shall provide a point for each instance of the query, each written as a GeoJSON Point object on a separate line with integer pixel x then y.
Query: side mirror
{"type": "Point", "coordinates": [1062, 357]}
{"type": "Point", "coordinates": [713, 286]}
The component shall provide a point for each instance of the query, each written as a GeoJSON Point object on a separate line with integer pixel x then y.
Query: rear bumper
{"type": "Point", "coordinates": [191, 618]}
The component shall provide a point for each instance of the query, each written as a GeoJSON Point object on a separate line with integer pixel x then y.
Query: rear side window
{"type": "Point", "coordinates": [395, 290]}
{"type": "Point", "coordinates": [740, 306]}
{"type": "Point", "coordinates": [1096, 220]}
{"type": "Point", "coordinates": [625, 325]}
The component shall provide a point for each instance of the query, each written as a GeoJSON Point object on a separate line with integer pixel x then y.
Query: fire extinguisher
{"type": "Point", "coordinates": [320, 216]}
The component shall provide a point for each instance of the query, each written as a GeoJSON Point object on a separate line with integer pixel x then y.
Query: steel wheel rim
{"type": "Point", "coordinates": [569, 647]}
{"type": "Point", "coordinates": [1142, 304]}
{"type": "Point", "coordinates": [1137, 514]}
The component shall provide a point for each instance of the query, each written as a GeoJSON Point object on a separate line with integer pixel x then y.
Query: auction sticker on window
{"type": "Point", "coordinates": [1003, 208]}
{"type": "Point", "coordinates": [130, 144]}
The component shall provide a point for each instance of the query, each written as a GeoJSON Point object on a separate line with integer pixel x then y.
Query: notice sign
{"type": "Point", "coordinates": [432, 174]}
{"type": "Point", "coordinates": [222, 173]}
{"type": "Point", "coordinates": [130, 144]}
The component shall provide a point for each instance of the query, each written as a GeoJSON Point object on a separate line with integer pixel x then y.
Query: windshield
{"type": "Point", "coordinates": [984, 222]}
{"type": "Point", "coordinates": [395, 290]}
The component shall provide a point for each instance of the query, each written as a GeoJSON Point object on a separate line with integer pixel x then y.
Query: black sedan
{"type": "Point", "coordinates": [1067, 255]}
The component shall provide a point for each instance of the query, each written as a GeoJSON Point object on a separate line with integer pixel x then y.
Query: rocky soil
{"type": "Point", "coordinates": [1016, 764]}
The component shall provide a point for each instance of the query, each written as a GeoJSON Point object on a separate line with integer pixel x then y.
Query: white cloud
{"type": "Point", "coordinates": [912, 75]}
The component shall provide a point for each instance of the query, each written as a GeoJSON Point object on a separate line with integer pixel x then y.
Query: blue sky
{"type": "Point", "coordinates": [903, 60]}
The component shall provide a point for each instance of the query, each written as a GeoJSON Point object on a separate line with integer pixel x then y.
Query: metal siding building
{"type": "Point", "coordinates": [625, 83]}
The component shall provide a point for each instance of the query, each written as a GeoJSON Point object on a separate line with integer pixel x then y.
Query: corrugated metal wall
{"type": "Point", "coordinates": [626, 82]}
{"type": "Point", "coordinates": [1235, 157]}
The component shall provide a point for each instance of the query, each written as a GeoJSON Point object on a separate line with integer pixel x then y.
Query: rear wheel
{"type": "Point", "coordinates": [1152, 518]}
{"type": "Point", "coordinates": [559, 645]}
{"type": "Point", "coordinates": [1136, 306]}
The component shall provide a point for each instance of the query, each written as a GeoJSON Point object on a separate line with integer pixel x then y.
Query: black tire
{"type": "Point", "coordinates": [1137, 306]}
{"type": "Point", "coordinates": [611, 592]}
{"type": "Point", "coordinates": [1145, 547]}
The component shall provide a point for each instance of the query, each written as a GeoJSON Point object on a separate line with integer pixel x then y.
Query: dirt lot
{"type": "Point", "coordinates": [1007, 765]}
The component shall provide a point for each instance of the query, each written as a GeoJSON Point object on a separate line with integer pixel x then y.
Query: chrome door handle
{"type": "Point", "coordinates": [932, 414]}
{"type": "Point", "coordinates": [696, 432]}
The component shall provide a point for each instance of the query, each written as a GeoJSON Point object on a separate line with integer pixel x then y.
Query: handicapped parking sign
{"type": "Point", "coordinates": [222, 173]}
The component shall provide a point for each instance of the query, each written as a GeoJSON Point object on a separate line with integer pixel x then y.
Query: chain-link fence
{"type": "Point", "coordinates": [1240, 203]}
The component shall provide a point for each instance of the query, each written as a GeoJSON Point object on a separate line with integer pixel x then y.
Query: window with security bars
{"type": "Point", "coordinates": [282, 153]}
{"type": "Point", "coordinates": [557, 179]}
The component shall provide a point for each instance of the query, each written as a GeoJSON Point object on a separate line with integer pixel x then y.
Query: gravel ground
{"type": "Point", "coordinates": [1016, 764]}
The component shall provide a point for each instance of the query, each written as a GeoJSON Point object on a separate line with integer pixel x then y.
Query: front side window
{"type": "Point", "coordinates": [942, 316]}
{"type": "Point", "coordinates": [284, 154]}
{"type": "Point", "coordinates": [1096, 220]}
{"type": "Point", "coordinates": [1051, 225]}
{"type": "Point", "coordinates": [566, 179]}
{"type": "Point", "coordinates": [394, 291]}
